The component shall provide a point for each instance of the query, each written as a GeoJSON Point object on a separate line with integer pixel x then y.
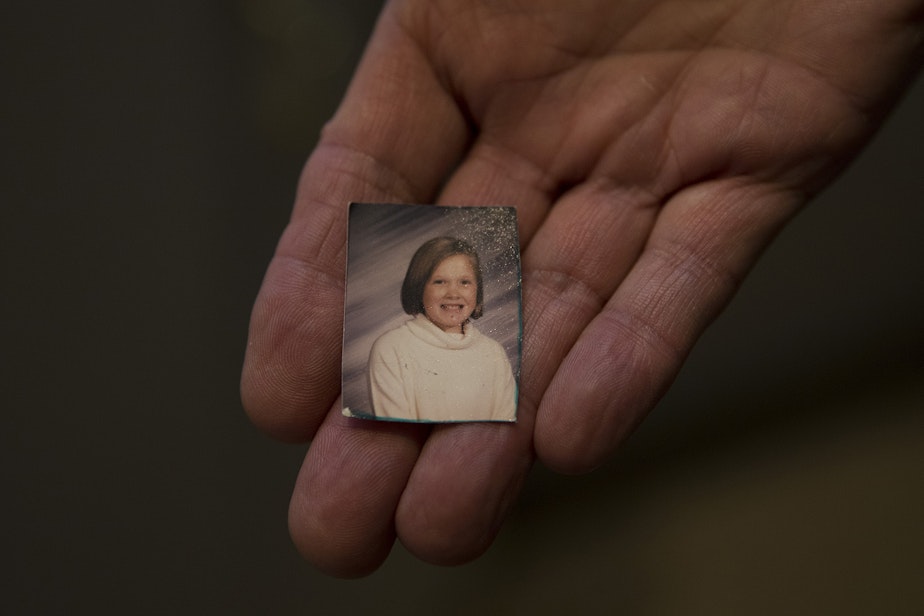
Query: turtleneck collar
{"type": "Point", "coordinates": [426, 330]}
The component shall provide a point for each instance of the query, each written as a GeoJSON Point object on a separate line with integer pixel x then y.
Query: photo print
{"type": "Point", "coordinates": [432, 321]}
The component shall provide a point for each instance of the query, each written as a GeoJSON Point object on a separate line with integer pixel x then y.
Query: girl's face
{"type": "Point", "coordinates": [451, 293]}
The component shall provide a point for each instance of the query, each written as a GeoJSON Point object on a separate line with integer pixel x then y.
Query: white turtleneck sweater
{"type": "Point", "coordinates": [418, 372]}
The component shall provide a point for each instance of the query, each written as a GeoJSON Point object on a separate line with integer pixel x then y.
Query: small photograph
{"type": "Point", "coordinates": [432, 327]}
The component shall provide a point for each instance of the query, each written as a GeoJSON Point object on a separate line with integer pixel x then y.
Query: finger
{"type": "Point", "coordinates": [495, 174]}
{"type": "Point", "coordinates": [394, 138]}
{"type": "Point", "coordinates": [341, 517]}
{"type": "Point", "coordinates": [467, 477]}
{"type": "Point", "coordinates": [576, 260]}
{"type": "Point", "coordinates": [462, 488]}
{"type": "Point", "coordinates": [704, 241]}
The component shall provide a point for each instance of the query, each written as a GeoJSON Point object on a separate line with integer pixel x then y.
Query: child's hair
{"type": "Point", "coordinates": [425, 260]}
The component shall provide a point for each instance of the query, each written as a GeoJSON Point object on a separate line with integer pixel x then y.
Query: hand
{"type": "Point", "coordinates": [652, 149]}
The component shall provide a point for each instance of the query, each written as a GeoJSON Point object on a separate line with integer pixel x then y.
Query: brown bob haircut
{"type": "Point", "coordinates": [425, 260]}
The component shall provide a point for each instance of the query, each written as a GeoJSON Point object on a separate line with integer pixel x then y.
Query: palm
{"type": "Point", "coordinates": [651, 148]}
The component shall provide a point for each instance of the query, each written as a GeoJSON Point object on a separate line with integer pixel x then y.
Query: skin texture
{"type": "Point", "coordinates": [652, 150]}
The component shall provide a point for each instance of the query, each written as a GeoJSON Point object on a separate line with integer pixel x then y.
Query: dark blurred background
{"type": "Point", "coordinates": [150, 155]}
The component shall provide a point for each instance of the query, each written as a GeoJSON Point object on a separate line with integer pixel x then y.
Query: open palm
{"type": "Point", "coordinates": [652, 149]}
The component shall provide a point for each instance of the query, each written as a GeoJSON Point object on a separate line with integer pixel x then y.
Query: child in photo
{"type": "Point", "coordinates": [437, 366]}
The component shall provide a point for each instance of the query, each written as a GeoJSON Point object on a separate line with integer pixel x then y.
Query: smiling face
{"type": "Point", "coordinates": [451, 293]}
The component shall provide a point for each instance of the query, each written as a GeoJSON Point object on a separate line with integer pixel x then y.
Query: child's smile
{"type": "Point", "coordinates": [450, 294]}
